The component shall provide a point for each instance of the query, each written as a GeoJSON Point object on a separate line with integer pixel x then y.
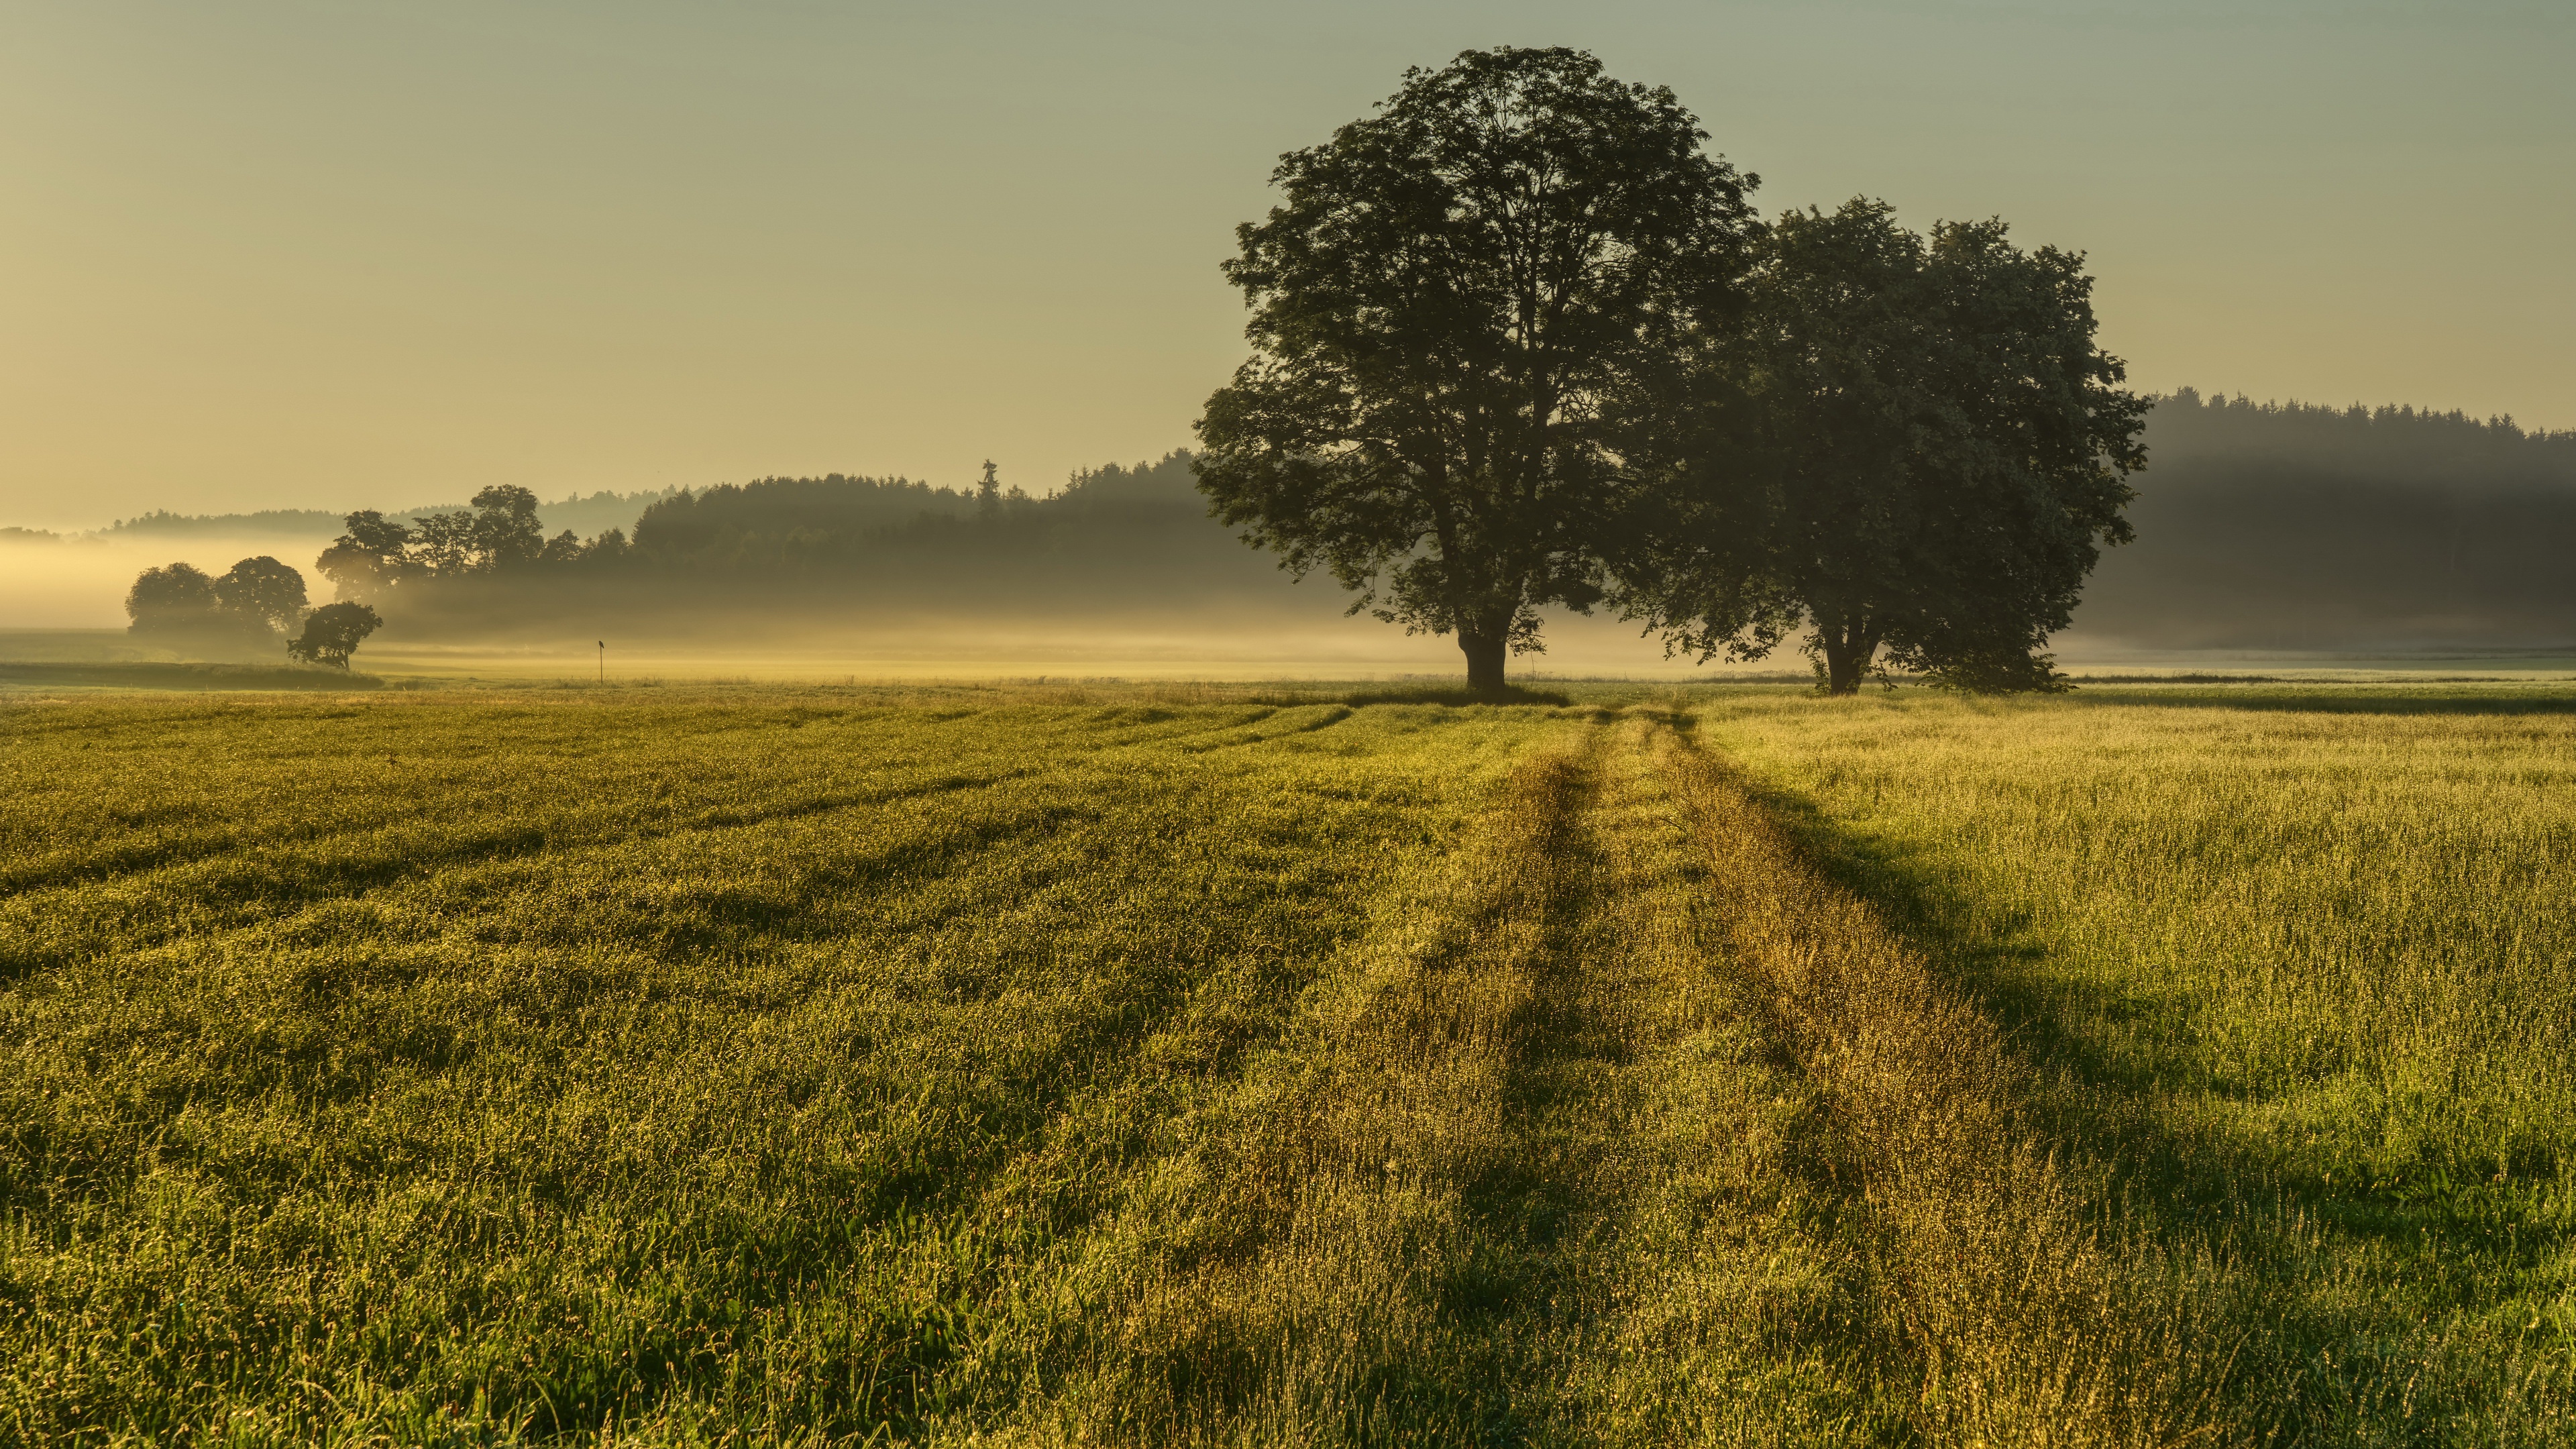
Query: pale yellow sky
{"type": "Point", "coordinates": [282, 254]}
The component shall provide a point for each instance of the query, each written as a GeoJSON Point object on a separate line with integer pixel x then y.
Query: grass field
{"type": "Point", "coordinates": [2154, 1065]}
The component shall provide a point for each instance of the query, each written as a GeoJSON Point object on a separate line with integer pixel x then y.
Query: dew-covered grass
{"type": "Point", "coordinates": [2295, 967]}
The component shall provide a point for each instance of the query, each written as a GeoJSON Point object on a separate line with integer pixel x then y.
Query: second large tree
{"type": "Point", "coordinates": [1929, 451]}
{"type": "Point", "coordinates": [1461, 309]}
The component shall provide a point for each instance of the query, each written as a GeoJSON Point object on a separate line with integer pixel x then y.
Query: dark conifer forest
{"type": "Point", "coordinates": [2285, 526]}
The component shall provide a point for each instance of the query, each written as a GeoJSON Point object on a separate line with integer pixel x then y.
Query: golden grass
{"type": "Point", "coordinates": [2030, 1326]}
{"type": "Point", "coordinates": [2294, 971]}
{"type": "Point", "coordinates": [1520, 1171]}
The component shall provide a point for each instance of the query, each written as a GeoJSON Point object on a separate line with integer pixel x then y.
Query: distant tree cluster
{"type": "Point", "coordinates": [252, 608]}
{"type": "Point", "coordinates": [262, 521]}
{"type": "Point", "coordinates": [1519, 342]}
{"type": "Point", "coordinates": [590, 514]}
{"type": "Point", "coordinates": [795, 523]}
{"type": "Point", "coordinates": [838, 524]}
{"type": "Point", "coordinates": [256, 598]}
{"type": "Point", "coordinates": [1110, 537]}
{"type": "Point", "coordinates": [2389, 441]}
{"type": "Point", "coordinates": [499, 533]}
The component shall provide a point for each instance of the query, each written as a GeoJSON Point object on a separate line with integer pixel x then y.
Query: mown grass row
{"type": "Point", "coordinates": [2035, 1321]}
{"type": "Point", "coordinates": [1522, 1172]}
{"type": "Point", "coordinates": [750, 1087]}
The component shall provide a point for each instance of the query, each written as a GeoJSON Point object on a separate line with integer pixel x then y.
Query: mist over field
{"type": "Point", "coordinates": [2263, 529]}
{"type": "Point", "coordinates": [55, 579]}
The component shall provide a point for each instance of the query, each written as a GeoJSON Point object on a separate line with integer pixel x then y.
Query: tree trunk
{"type": "Point", "coordinates": [1848, 650]}
{"type": "Point", "coordinates": [1484, 661]}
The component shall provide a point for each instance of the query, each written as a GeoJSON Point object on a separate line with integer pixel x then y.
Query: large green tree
{"type": "Point", "coordinates": [1460, 310]}
{"type": "Point", "coordinates": [1934, 452]}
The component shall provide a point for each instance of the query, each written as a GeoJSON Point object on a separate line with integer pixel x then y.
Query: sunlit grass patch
{"type": "Point", "coordinates": [2297, 969]}
{"type": "Point", "coordinates": [383, 1069]}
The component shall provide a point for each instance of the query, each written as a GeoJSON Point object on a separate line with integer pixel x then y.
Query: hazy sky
{"type": "Point", "coordinates": [271, 254]}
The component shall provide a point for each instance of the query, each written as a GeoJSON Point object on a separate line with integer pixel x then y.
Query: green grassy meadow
{"type": "Point", "coordinates": [1238, 1065]}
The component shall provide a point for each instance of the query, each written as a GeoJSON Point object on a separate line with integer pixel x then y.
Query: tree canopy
{"type": "Point", "coordinates": [1456, 310]}
{"type": "Point", "coordinates": [332, 633]}
{"type": "Point", "coordinates": [177, 596]}
{"type": "Point", "coordinates": [1936, 455]}
{"type": "Point", "coordinates": [263, 589]}
{"type": "Point", "coordinates": [246, 608]}
{"type": "Point", "coordinates": [372, 557]}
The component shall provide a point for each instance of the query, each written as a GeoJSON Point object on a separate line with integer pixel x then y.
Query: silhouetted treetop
{"type": "Point", "coordinates": [1457, 310]}
{"type": "Point", "coordinates": [175, 596]}
{"type": "Point", "coordinates": [263, 589]}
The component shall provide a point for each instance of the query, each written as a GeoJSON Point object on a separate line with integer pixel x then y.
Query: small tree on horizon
{"type": "Point", "coordinates": [1455, 311]}
{"type": "Point", "coordinates": [332, 633]}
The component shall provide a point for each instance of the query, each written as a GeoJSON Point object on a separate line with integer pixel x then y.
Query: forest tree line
{"type": "Point", "coordinates": [2260, 525]}
{"type": "Point", "coordinates": [2278, 526]}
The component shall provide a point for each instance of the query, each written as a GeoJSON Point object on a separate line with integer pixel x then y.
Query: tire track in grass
{"type": "Point", "coordinates": [1293, 1277]}
{"type": "Point", "coordinates": [1708, 1281]}
{"type": "Point", "coordinates": [2034, 1319]}
{"type": "Point", "coordinates": [1519, 1174]}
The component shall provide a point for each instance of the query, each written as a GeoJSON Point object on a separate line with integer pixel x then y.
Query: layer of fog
{"type": "Point", "coordinates": [2263, 532]}
{"type": "Point", "coordinates": [80, 583]}
{"type": "Point", "coordinates": [1275, 629]}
